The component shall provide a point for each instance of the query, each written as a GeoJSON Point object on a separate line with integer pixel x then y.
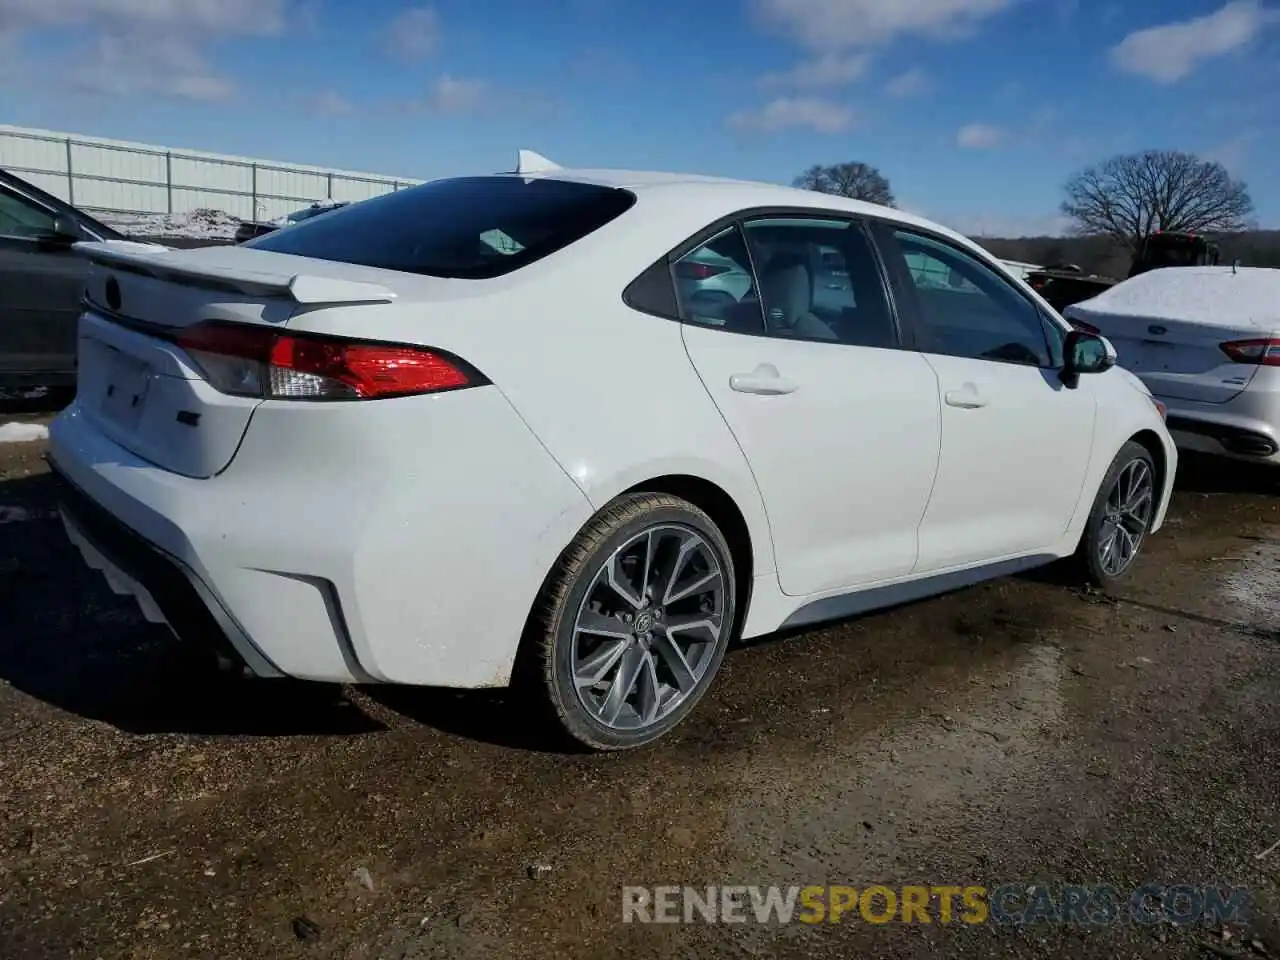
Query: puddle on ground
{"type": "Point", "coordinates": [1253, 587]}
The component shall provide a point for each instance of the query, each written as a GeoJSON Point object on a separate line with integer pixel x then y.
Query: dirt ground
{"type": "Point", "coordinates": [1021, 732]}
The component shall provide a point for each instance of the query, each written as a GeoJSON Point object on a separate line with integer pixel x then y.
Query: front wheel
{"type": "Point", "coordinates": [634, 621]}
{"type": "Point", "coordinates": [1121, 516]}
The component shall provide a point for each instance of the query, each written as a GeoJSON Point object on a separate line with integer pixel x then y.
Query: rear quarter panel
{"type": "Point", "coordinates": [608, 391]}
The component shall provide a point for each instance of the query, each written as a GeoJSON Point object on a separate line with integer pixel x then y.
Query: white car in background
{"type": "Point", "coordinates": [381, 447]}
{"type": "Point", "coordinates": [1206, 341]}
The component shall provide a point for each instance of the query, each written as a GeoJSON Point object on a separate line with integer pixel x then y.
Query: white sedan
{"type": "Point", "coordinates": [469, 434]}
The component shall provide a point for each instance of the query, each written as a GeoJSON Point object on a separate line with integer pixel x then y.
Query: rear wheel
{"type": "Point", "coordinates": [1121, 516]}
{"type": "Point", "coordinates": [634, 622]}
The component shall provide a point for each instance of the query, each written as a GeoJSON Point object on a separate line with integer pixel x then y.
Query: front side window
{"type": "Point", "coordinates": [19, 217]}
{"type": "Point", "coordinates": [966, 309]}
{"type": "Point", "coordinates": [466, 227]}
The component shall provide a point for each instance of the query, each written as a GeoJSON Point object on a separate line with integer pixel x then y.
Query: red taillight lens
{"type": "Point", "coordinates": [1085, 327]}
{"type": "Point", "coordinates": [251, 361]}
{"type": "Point", "coordinates": [1161, 409]}
{"type": "Point", "coordinates": [1264, 351]}
{"type": "Point", "coordinates": [689, 270]}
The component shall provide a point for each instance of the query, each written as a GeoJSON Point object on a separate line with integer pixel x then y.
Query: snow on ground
{"type": "Point", "coordinates": [23, 432]}
{"type": "Point", "coordinates": [25, 393]}
{"type": "Point", "coordinates": [196, 225]}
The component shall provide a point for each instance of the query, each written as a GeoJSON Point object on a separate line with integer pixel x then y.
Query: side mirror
{"type": "Point", "coordinates": [1087, 353]}
{"type": "Point", "coordinates": [66, 230]}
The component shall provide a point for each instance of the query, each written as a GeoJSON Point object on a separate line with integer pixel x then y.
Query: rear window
{"type": "Point", "coordinates": [469, 227]}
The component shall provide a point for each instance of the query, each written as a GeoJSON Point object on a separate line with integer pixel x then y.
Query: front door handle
{"type": "Point", "coordinates": [763, 381]}
{"type": "Point", "coordinates": [967, 397]}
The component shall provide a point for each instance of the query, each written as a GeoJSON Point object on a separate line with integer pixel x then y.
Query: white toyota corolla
{"type": "Point", "coordinates": [486, 431]}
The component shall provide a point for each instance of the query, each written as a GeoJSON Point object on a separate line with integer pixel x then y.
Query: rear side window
{"type": "Point", "coordinates": [469, 227]}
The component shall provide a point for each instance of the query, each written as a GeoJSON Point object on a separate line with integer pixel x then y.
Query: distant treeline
{"type": "Point", "coordinates": [1108, 258]}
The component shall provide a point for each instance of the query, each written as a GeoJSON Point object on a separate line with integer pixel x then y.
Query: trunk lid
{"type": "Point", "coordinates": [1168, 326]}
{"type": "Point", "coordinates": [140, 388]}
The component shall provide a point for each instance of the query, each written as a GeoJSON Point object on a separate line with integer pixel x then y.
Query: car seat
{"type": "Point", "coordinates": [786, 288]}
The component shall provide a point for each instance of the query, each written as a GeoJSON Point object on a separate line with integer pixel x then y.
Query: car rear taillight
{"type": "Point", "coordinates": [699, 271]}
{"type": "Point", "coordinates": [1264, 351]}
{"type": "Point", "coordinates": [1085, 327]}
{"type": "Point", "coordinates": [253, 361]}
{"type": "Point", "coordinates": [1161, 409]}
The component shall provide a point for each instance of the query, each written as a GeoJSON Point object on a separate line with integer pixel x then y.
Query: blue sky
{"type": "Point", "coordinates": [977, 110]}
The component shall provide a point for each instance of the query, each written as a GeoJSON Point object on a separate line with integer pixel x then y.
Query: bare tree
{"type": "Point", "coordinates": [860, 181]}
{"type": "Point", "coordinates": [1131, 196]}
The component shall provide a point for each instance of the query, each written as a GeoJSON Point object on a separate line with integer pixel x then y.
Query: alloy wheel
{"type": "Point", "coordinates": [649, 626]}
{"type": "Point", "coordinates": [1126, 517]}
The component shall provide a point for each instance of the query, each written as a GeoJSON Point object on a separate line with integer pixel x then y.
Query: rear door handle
{"type": "Point", "coordinates": [967, 397]}
{"type": "Point", "coordinates": [763, 381]}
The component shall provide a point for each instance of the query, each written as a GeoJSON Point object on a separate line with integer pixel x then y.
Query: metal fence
{"type": "Point", "coordinates": [121, 177]}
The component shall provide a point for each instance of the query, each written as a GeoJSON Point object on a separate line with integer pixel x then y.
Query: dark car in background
{"type": "Point", "coordinates": [250, 229]}
{"type": "Point", "coordinates": [41, 280]}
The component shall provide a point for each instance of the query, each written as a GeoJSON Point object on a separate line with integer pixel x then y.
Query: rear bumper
{"type": "Point", "coordinates": [373, 542]}
{"type": "Point", "coordinates": [1245, 428]}
{"type": "Point", "coordinates": [28, 379]}
{"type": "Point", "coordinates": [167, 591]}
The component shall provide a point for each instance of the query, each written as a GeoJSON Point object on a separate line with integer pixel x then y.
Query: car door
{"type": "Point", "coordinates": [1016, 439]}
{"type": "Point", "coordinates": [839, 424]}
{"type": "Point", "coordinates": [41, 278]}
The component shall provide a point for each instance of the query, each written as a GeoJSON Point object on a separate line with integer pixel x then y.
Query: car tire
{"type": "Point", "coordinates": [651, 673]}
{"type": "Point", "coordinates": [1120, 518]}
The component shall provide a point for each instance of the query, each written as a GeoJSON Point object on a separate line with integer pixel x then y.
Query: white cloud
{"type": "Point", "coordinates": [913, 83]}
{"type": "Point", "coordinates": [158, 47]}
{"type": "Point", "coordinates": [414, 34]}
{"type": "Point", "coordinates": [846, 24]}
{"type": "Point", "coordinates": [828, 70]}
{"type": "Point", "coordinates": [454, 95]}
{"type": "Point", "coordinates": [190, 17]}
{"type": "Point", "coordinates": [1169, 52]}
{"type": "Point", "coordinates": [330, 103]}
{"type": "Point", "coordinates": [788, 113]}
{"type": "Point", "coordinates": [979, 136]}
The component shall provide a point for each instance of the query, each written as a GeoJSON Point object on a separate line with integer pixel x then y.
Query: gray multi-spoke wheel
{"type": "Point", "coordinates": [635, 621]}
{"type": "Point", "coordinates": [1121, 515]}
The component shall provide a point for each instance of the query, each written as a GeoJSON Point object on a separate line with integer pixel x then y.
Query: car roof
{"type": "Point", "coordinates": [738, 194]}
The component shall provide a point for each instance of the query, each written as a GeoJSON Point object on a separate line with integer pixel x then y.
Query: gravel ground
{"type": "Point", "coordinates": [1018, 732]}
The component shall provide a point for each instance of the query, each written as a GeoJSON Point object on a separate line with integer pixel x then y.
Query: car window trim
{"type": "Point", "coordinates": [53, 212]}
{"type": "Point", "coordinates": [883, 230]}
{"type": "Point", "coordinates": [740, 227]}
{"type": "Point", "coordinates": [55, 207]}
{"type": "Point", "coordinates": [738, 219]}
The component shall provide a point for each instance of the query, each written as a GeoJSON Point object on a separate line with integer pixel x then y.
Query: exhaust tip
{"type": "Point", "coordinates": [1251, 446]}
